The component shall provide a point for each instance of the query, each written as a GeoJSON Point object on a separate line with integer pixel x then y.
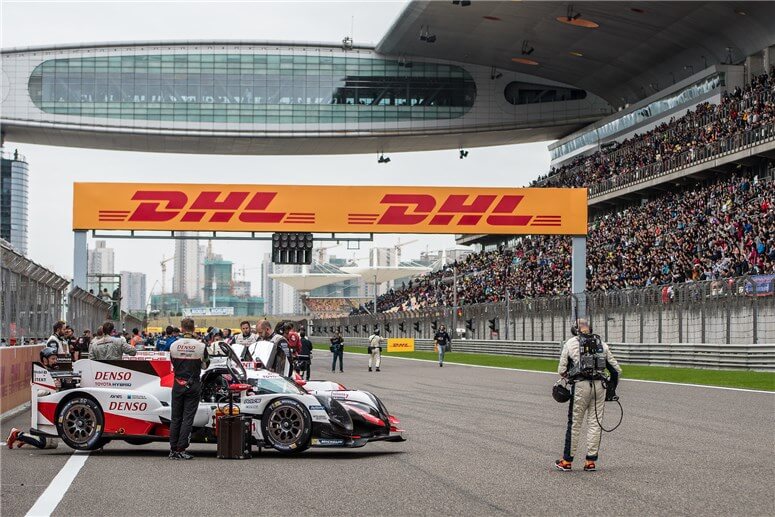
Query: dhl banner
{"type": "Point", "coordinates": [400, 344]}
{"type": "Point", "coordinates": [343, 209]}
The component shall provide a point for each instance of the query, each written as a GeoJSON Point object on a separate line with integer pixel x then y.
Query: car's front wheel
{"type": "Point", "coordinates": [81, 423]}
{"type": "Point", "coordinates": [287, 426]}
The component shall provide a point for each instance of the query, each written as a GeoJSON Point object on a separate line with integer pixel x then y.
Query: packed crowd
{"type": "Point", "coordinates": [741, 110]}
{"type": "Point", "coordinates": [328, 307]}
{"type": "Point", "coordinates": [720, 229]}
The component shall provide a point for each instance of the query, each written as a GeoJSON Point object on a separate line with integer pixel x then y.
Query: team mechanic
{"type": "Point", "coordinates": [188, 356]}
{"type": "Point", "coordinates": [582, 361]}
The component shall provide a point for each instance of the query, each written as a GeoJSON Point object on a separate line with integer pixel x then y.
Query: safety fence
{"type": "Point", "coordinates": [730, 311]}
{"type": "Point", "coordinates": [31, 297]}
{"type": "Point", "coordinates": [85, 310]}
{"type": "Point", "coordinates": [744, 357]}
{"type": "Point", "coordinates": [694, 156]}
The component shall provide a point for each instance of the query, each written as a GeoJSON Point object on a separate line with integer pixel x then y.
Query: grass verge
{"type": "Point", "coordinates": [726, 378]}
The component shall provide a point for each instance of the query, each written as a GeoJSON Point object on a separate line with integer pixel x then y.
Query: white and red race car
{"type": "Point", "coordinates": [129, 400]}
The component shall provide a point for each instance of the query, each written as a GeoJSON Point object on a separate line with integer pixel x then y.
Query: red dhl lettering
{"type": "Point", "coordinates": [112, 376]}
{"type": "Point", "coordinates": [168, 205]}
{"type": "Point", "coordinates": [410, 209]}
{"type": "Point", "coordinates": [127, 406]}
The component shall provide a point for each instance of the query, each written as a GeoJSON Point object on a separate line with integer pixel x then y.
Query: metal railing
{"type": "Point", "coordinates": [31, 297]}
{"type": "Point", "coordinates": [730, 311]}
{"type": "Point", "coordinates": [691, 157]}
{"type": "Point", "coordinates": [743, 357]}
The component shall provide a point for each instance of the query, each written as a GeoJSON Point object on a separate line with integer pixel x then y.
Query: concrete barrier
{"type": "Point", "coordinates": [15, 375]}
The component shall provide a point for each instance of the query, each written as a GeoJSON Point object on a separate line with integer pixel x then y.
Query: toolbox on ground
{"type": "Point", "coordinates": [234, 435]}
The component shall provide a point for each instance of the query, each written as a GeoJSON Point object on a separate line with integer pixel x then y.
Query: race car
{"type": "Point", "coordinates": [129, 400]}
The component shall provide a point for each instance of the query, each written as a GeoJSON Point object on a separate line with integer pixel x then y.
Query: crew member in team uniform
{"type": "Point", "coordinates": [246, 338]}
{"type": "Point", "coordinates": [189, 356]}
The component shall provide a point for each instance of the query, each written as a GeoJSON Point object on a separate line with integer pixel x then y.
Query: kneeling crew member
{"type": "Point", "coordinates": [188, 356]}
{"type": "Point", "coordinates": [583, 359]}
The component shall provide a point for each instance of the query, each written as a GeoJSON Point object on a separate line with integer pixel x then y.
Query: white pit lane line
{"type": "Point", "coordinates": [51, 497]}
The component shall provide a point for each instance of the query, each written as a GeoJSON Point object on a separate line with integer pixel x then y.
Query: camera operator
{"type": "Point", "coordinates": [189, 356]}
{"type": "Point", "coordinates": [583, 360]}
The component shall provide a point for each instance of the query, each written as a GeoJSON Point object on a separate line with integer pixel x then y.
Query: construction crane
{"type": "Point", "coordinates": [164, 272]}
{"type": "Point", "coordinates": [397, 251]}
{"type": "Point", "coordinates": [322, 254]}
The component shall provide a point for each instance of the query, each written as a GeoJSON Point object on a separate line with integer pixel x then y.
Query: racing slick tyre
{"type": "Point", "coordinates": [287, 426]}
{"type": "Point", "coordinates": [80, 424]}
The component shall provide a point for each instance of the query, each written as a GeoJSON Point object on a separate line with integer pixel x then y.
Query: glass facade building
{"type": "Point", "coordinates": [251, 88]}
{"type": "Point", "coordinates": [272, 98]}
{"type": "Point", "coordinates": [14, 200]}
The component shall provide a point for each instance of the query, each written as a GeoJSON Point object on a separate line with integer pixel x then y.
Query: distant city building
{"type": "Point", "coordinates": [279, 298]}
{"type": "Point", "coordinates": [217, 278]}
{"type": "Point", "coordinates": [132, 291]}
{"type": "Point", "coordinates": [241, 288]}
{"type": "Point", "coordinates": [101, 261]}
{"type": "Point", "coordinates": [188, 274]}
{"type": "Point", "coordinates": [14, 200]}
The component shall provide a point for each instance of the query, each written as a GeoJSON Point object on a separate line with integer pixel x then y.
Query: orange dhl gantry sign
{"type": "Point", "coordinates": [344, 209]}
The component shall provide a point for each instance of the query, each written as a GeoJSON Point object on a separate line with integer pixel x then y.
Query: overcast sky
{"type": "Point", "coordinates": [53, 170]}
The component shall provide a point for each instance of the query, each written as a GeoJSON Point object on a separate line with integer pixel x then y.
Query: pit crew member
{"type": "Point", "coordinates": [189, 356]}
{"type": "Point", "coordinates": [337, 348]}
{"type": "Point", "coordinates": [375, 350]}
{"type": "Point", "coordinates": [246, 338]}
{"type": "Point", "coordinates": [57, 338]}
{"type": "Point", "coordinates": [442, 341]}
{"type": "Point", "coordinates": [588, 393]}
{"type": "Point", "coordinates": [48, 358]}
{"type": "Point", "coordinates": [306, 352]}
{"type": "Point", "coordinates": [109, 348]}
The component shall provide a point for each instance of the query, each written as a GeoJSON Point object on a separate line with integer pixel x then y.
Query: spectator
{"type": "Point", "coordinates": [136, 339]}
{"type": "Point", "coordinates": [164, 343]}
{"type": "Point", "coordinates": [710, 230]}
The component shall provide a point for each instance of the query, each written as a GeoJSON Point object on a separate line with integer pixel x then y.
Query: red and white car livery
{"type": "Point", "coordinates": [129, 400]}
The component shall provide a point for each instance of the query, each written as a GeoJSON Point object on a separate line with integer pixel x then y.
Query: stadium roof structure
{"type": "Point", "coordinates": [444, 76]}
{"type": "Point", "coordinates": [620, 51]}
{"type": "Point", "coordinates": [381, 274]}
{"type": "Point", "coordinates": [322, 275]}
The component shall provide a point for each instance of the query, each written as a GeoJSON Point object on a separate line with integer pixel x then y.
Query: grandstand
{"type": "Point", "coordinates": [680, 200]}
{"type": "Point", "coordinates": [332, 307]}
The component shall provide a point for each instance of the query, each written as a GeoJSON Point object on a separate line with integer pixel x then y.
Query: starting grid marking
{"type": "Point", "coordinates": [56, 490]}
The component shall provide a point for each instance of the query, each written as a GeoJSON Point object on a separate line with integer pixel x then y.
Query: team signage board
{"type": "Point", "coordinates": [343, 209]}
{"type": "Point", "coordinates": [405, 344]}
{"type": "Point", "coordinates": [192, 312]}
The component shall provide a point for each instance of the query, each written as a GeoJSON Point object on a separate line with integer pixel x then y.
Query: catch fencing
{"type": "Point", "coordinates": [86, 311]}
{"type": "Point", "coordinates": [744, 357]}
{"type": "Point", "coordinates": [31, 297]}
{"type": "Point", "coordinates": [730, 311]}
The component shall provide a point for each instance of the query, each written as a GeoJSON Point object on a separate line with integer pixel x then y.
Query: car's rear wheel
{"type": "Point", "coordinates": [287, 426]}
{"type": "Point", "coordinates": [80, 424]}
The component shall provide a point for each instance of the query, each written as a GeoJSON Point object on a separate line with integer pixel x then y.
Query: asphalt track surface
{"type": "Point", "coordinates": [480, 442]}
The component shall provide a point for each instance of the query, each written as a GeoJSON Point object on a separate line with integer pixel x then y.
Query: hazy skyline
{"type": "Point", "coordinates": [54, 169]}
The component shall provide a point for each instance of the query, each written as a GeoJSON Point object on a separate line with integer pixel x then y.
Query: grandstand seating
{"type": "Point", "coordinates": [717, 229]}
{"type": "Point", "coordinates": [330, 307]}
{"type": "Point", "coordinates": [741, 111]}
